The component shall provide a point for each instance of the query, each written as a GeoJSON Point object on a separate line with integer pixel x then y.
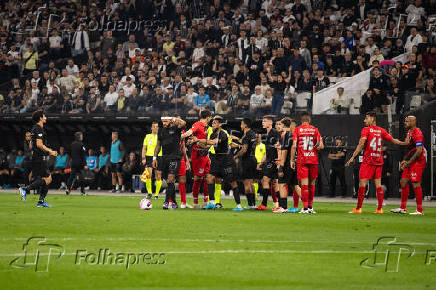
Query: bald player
{"type": "Point", "coordinates": [413, 165]}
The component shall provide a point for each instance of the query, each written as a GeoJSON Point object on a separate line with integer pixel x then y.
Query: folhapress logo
{"type": "Point", "coordinates": [37, 254]}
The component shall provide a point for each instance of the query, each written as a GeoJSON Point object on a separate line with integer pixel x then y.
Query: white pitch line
{"type": "Point", "coordinates": [209, 240]}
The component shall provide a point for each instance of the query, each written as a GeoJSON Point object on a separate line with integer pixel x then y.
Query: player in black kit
{"type": "Point", "coordinates": [223, 166]}
{"type": "Point", "coordinates": [247, 161]}
{"type": "Point", "coordinates": [78, 163]}
{"type": "Point", "coordinates": [40, 172]}
{"type": "Point", "coordinates": [268, 164]}
{"type": "Point", "coordinates": [168, 139]}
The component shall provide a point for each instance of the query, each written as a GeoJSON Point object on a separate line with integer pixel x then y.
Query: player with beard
{"type": "Point", "coordinates": [371, 138]}
{"type": "Point", "coordinates": [38, 164]}
{"type": "Point", "coordinates": [413, 165]}
{"type": "Point", "coordinates": [223, 166]}
{"type": "Point", "coordinates": [169, 139]}
{"type": "Point", "coordinates": [268, 164]}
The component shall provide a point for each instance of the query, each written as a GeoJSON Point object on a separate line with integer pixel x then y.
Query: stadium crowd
{"type": "Point", "coordinates": [240, 57]}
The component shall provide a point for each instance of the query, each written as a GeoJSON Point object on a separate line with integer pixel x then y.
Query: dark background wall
{"type": "Point", "coordinates": [97, 131]}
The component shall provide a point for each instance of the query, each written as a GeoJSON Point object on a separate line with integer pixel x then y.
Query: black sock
{"type": "Point", "coordinates": [173, 195]}
{"type": "Point", "coordinates": [169, 193]}
{"type": "Point", "coordinates": [283, 202]}
{"type": "Point", "coordinates": [211, 191]}
{"type": "Point", "coordinates": [43, 193]}
{"type": "Point", "coordinates": [236, 195]}
{"type": "Point", "coordinates": [36, 184]}
{"type": "Point", "coordinates": [265, 193]}
{"type": "Point", "coordinates": [252, 199]}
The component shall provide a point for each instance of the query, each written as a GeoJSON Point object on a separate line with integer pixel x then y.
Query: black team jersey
{"type": "Point", "coordinates": [222, 149]}
{"type": "Point", "coordinates": [170, 141]}
{"type": "Point", "coordinates": [249, 139]}
{"type": "Point", "coordinates": [38, 133]}
{"type": "Point", "coordinates": [272, 138]}
{"type": "Point", "coordinates": [286, 144]}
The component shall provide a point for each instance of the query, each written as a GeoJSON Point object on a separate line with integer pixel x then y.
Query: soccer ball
{"type": "Point", "coordinates": [145, 204]}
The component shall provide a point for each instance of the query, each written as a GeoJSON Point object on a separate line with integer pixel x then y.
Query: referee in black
{"type": "Point", "coordinates": [40, 172]}
{"type": "Point", "coordinates": [78, 163]}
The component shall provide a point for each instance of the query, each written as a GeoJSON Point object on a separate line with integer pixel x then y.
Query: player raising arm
{"type": "Point", "coordinates": [413, 166]}
{"type": "Point", "coordinates": [371, 140]}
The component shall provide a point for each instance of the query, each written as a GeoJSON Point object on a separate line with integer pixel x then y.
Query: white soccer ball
{"type": "Point", "coordinates": [145, 204]}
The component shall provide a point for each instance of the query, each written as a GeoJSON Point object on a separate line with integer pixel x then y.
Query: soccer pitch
{"type": "Point", "coordinates": [106, 242]}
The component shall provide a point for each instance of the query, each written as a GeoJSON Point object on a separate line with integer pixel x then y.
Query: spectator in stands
{"type": "Point", "coordinates": [430, 91]}
{"type": "Point", "coordinates": [59, 173]}
{"type": "Point", "coordinates": [256, 100]}
{"type": "Point", "coordinates": [379, 85]}
{"type": "Point", "coordinates": [368, 103]}
{"type": "Point", "coordinates": [341, 103]}
{"type": "Point", "coordinates": [111, 99]}
{"type": "Point", "coordinates": [201, 101]}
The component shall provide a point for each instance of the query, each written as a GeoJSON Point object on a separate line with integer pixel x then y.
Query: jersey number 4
{"type": "Point", "coordinates": [376, 144]}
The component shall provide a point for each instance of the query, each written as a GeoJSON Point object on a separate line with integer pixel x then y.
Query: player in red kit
{"type": "Point", "coordinates": [371, 140]}
{"type": "Point", "coordinates": [413, 166]}
{"type": "Point", "coordinates": [308, 141]}
{"type": "Point", "coordinates": [199, 158]}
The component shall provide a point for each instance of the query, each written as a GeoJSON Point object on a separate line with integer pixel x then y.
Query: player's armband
{"type": "Point", "coordinates": [419, 144]}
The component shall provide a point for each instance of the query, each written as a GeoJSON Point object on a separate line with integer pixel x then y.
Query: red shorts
{"type": "Point", "coordinates": [368, 171]}
{"type": "Point", "coordinates": [200, 165]}
{"type": "Point", "coordinates": [413, 172]}
{"type": "Point", "coordinates": [182, 168]}
{"type": "Point", "coordinates": [307, 171]}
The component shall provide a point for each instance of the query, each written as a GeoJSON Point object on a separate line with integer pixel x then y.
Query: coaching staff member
{"type": "Point", "coordinates": [78, 163]}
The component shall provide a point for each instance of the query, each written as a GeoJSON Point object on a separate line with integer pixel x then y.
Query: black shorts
{"type": "Point", "coordinates": [116, 167]}
{"type": "Point", "coordinates": [286, 178]}
{"type": "Point", "coordinates": [269, 169]}
{"type": "Point", "coordinates": [248, 168]}
{"type": "Point", "coordinates": [149, 161]}
{"type": "Point", "coordinates": [40, 169]}
{"type": "Point", "coordinates": [169, 165]}
{"type": "Point", "coordinates": [224, 168]}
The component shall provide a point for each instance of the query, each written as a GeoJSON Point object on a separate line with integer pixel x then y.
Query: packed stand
{"type": "Point", "coordinates": [233, 57]}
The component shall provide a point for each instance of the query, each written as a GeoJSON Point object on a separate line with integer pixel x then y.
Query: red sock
{"type": "Point", "coordinates": [182, 190]}
{"type": "Point", "coordinates": [305, 195]}
{"type": "Point", "coordinates": [196, 190]}
{"type": "Point", "coordinates": [311, 194]}
{"type": "Point", "coordinates": [404, 196]}
{"type": "Point", "coordinates": [418, 195]}
{"type": "Point", "coordinates": [296, 198]}
{"type": "Point", "coordinates": [273, 194]}
{"type": "Point", "coordinates": [379, 198]}
{"type": "Point", "coordinates": [360, 196]}
{"type": "Point", "coordinates": [205, 191]}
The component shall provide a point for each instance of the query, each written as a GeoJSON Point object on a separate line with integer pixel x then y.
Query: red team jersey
{"type": "Point", "coordinates": [374, 135]}
{"type": "Point", "coordinates": [199, 131]}
{"type": "Point", "coordinates": [306, 137]}
{"type": "Point", "coordinates": [416, 139]}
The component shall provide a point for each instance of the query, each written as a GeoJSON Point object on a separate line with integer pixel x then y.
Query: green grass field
{"type": "Point", "coordinates": [211, 249]}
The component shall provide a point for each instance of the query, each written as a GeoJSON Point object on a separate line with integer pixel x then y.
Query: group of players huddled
{"type": "Point", "coordinates": [286, 162]}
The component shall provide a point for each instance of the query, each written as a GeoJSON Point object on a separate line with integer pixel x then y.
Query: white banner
{"type": "Point", "coordinates": [354, 88]}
